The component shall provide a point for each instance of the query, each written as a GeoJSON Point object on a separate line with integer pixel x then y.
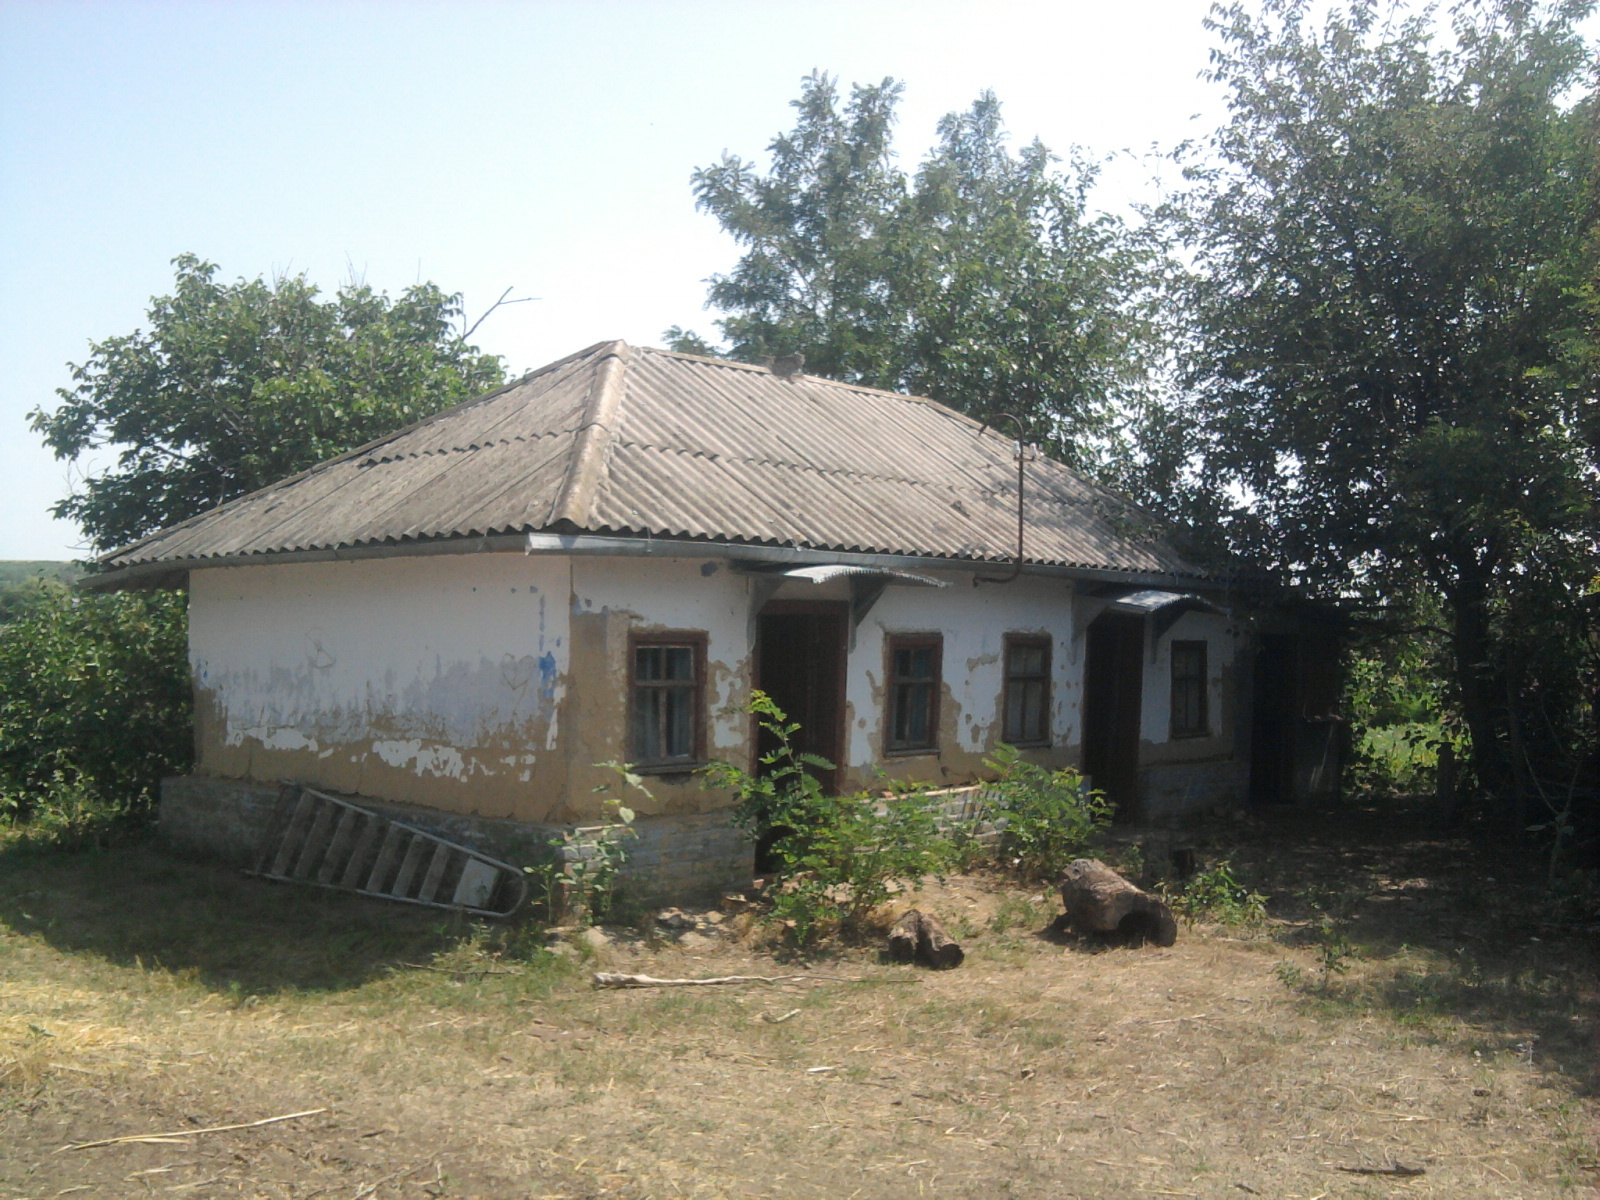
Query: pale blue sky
{"type": "Point", "coordinates": [542, 145]}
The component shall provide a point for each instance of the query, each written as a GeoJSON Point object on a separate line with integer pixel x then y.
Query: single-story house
{"type": "Point", "coordinates": [600, 561]}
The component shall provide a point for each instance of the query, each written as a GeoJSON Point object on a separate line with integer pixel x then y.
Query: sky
{"type": "Point", "coordinates": [545, 147]}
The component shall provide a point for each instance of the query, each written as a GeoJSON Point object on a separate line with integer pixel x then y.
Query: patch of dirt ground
{"type": "Point", "coordinates": [143, 995]}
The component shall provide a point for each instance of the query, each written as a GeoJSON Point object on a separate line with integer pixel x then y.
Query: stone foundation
{"type": "Point", "coordinates": [674, 859]}
{"type": "Point", "coordinates": [1173, 790]}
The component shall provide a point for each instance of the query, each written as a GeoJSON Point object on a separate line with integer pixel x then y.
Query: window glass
{"type": "Point", "coordinates": [913, 722]}
{"type": "Point", "coordinates": [1189, 689]}
{"type": "Point", "coordinates": [664, 702]}
{"type": "Point", "coordinates": [1027, 692]}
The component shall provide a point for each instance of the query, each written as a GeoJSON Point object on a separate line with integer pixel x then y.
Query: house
{"type": "Point", "coordinates": [599, 562]}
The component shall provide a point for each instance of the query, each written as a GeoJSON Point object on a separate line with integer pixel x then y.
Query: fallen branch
{"type": "Point", "coordinates": [1391, 1169]}
{"type": "Point", "coordinates": [613, 979]}
{"type": "Point", "coordinates": [183, 1133]}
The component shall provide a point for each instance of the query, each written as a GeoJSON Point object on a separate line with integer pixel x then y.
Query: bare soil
{"type": "Point", "coordinates": [141, 994]}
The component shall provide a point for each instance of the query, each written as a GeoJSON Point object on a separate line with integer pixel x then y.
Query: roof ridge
{"type": "Point", "coordinates": [576, 500]}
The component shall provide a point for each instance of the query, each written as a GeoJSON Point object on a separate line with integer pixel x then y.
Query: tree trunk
{"type": "Point", "coordinates": [1470, 635]}
{"type": "Point", "coordinates": [1098, 900]}
{"type": "Point", "coordinates": [918, 934]}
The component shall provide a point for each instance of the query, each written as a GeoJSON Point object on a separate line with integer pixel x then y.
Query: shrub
{"type": "Point", "coordinates": [838, 857]}
{"type": "Point", "coordinates": [1217, 895]}
{"type": "Point", "coordinates": [95, 704]}
{"type": "Point", "coordinates": [1048, 816]}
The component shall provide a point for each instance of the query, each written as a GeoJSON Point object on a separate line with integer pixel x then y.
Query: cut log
{"type": "Point", "coordinates": [919, 935]}
{"type": "Point", "coordinates": [938, 947]}
{"type": "Point", "coordinates": [903, 937]}
{"type": "Point", "coordinates": [1098, 900]}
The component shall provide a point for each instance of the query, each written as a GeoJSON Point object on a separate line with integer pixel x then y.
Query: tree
{"type": "Point", "coordinates": [982, 281]}
{"type": "Point", "coordinates": [1389, 246]}
{"type": "Point", "coordinates": [237, 385]}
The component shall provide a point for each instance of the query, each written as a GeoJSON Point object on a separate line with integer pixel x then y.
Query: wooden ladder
{"type": "Point", "coordinates": [319, 839]}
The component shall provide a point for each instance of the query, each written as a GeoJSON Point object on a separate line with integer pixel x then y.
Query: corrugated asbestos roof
{"type": "Point", "coordinates": [624, 440]}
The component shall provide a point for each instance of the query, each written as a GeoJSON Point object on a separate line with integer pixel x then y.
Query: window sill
{"type": "Point", "coordinates": [910, 751]}
{"type": "Point", "coordinates": [1193, 735]}
{"type": "Point", "coordinates": [1027, 745]}
{"type": "Point", "coordinates": [668, 768]}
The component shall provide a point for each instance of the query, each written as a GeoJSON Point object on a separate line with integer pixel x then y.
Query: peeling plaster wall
{"type": "Point", "coordinates": [973, 622]}
{"type": "Point", "coordinates": [1155, 730]}
{"type": "Point", "coordinates": [425, 680]}
{"type": "Point", "coordinates": [1178, 775]}
{"type": "Point", "coordinates": [613, 597]}
{"type": "Point", "coordinates": [494, 684]}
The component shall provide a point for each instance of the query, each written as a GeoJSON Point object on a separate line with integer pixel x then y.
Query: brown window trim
{"type": "Point", "coordinates": [909, 641]}
{"type": "Point", "coordinates": [1203, 728]}
{"type": "Point", "coordinates": [1044, 642]}
{"type": "Point", "coordinates": [696, 640]}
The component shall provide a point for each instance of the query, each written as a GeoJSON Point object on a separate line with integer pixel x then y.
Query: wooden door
{"type": "Point", "coordinates": [801, 665]}
{"type": "Point", "coordinates": [1113, 685]}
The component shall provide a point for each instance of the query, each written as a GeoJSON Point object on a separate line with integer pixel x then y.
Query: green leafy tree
{"type": "Point", "coordinates": [1389, 244]}
{"type": "Point", "coordinates": [236, 385]}
{"type": "Point", "coordinates": [983, 280]}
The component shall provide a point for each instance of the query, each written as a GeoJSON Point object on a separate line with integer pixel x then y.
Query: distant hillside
{"type": "Point", "coordinates": [15, 571]}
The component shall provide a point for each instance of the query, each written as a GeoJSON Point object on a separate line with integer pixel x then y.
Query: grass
{"type": "Point", "coordinates": [140, 992]}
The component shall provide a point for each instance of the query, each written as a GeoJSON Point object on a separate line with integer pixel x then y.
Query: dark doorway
{"type": "Point", "coordinates": [800, 664]}
{"type": "Point", "coordinates": [1273, 726]}
{"type": "Point", "coordinates": [1113, 684]}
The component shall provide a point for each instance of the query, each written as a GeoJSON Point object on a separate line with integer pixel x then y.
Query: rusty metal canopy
{"type": "Point", "coordinates": [624, 441]}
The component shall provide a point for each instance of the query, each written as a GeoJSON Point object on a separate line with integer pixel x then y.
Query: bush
{"type": "Point", "coordinates": [1048, 816]}
{"type": "Point", "coordinates": [95, 704]}
{"type": "Point", "coordinates": [1217, 895]}
{"type": "Point", "coordinates": [838, 857]}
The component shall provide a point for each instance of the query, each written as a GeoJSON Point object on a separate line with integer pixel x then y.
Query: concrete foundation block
{"type": "Point", "coordinates": [671, 859]}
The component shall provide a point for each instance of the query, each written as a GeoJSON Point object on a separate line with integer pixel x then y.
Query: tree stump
{"type": "Point", "coordinates": [1098, 900]}
{"type": "Point", "coordinates": [919, 935]}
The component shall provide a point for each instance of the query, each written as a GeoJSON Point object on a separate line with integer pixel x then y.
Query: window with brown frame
{"type": "Point", "coordinates": [666, 705]}
{"type": "Point", "coordinates": [913, 716]}
{"type": "Point", "coordinates": [1189, 690]}
{"type": "Point", "coordinates": [1026, 694]}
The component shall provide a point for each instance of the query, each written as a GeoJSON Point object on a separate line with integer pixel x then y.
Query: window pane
{"type": "Point", "coordinates": [913, 702]}
{"type": "Point", "coordinates": [664, 721]}
{"type": "Point", "coordinates": [913, 662]}
{"type": "Point", "coordinates": [1189, 689]}
{"type": "Point", "coordinates": [677, 722]}
{"type": "Point", "coordinates": [678, 662]}
{"type": "Point", "coordinates": [1027, 660]}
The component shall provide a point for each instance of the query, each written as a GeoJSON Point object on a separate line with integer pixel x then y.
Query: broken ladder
{"type": "Point", "coordinates": [319, 839]}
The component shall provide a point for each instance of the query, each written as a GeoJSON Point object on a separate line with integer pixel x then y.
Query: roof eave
{"type": "Point", "coordinates": [173, 572]}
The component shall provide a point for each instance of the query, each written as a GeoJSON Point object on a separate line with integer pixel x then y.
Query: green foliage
{"type": "Point", "coordinates": [1391, 240]}
{"type": "Point", "coordinates": [234, 386]}
{"type": "Point", "coordinates": [982, 280]}
{"type": "Point", "coordinates": [1048, 816]}
{"type": "Point", "coordinates": [578, 883]}
{"type": "Point", "coordinates": [839, 857]}
{"type": "Point", "coordinates": [94, 704]}
{"type": "Point", "coordinates": [1215, 895]}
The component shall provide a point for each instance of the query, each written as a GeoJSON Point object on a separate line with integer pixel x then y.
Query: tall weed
{"type": "Point", "coordinates": [838, 857]}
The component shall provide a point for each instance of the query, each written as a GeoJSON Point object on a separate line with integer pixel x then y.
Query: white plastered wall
{"type": "Point", "coordinates": [972, 622]}
{"type": "Point", "coordinates": [423, 679]}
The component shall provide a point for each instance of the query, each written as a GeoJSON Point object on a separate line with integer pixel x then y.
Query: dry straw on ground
{"type": "Point", "coordinates": [183, 997]}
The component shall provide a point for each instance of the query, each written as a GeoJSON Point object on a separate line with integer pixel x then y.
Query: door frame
{"type": "Point", "coordinates": [841, 731]}
{"type": "Point", "coordinates": [1127, 636]}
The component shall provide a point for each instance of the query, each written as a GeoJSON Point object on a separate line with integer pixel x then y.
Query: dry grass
{"type": "Point", "coordinates": [175, 996]}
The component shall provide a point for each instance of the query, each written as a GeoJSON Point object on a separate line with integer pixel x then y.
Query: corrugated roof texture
{"type": "Point", "coordinates": [623, 440]}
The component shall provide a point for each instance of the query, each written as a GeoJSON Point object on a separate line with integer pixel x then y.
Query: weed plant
{"type": "Point", "coordinates": [1047, 817]}
{"type": "Point", "coordinates": [1215, 895]}
{"type": "Point", "coordinates": [838, 857]}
